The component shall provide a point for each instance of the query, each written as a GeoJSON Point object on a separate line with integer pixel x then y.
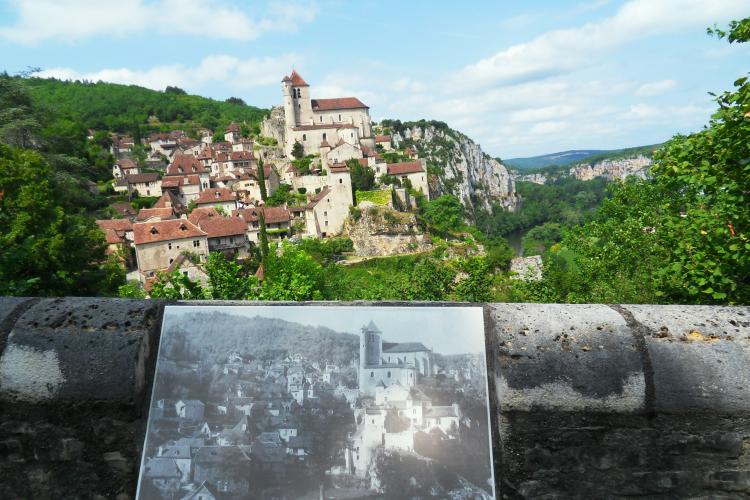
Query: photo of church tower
{"type": "Point", "coordinates": [383, 364]}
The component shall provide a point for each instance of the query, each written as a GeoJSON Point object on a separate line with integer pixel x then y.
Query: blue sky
{"type": "Point", "coordinates": [521, 78]}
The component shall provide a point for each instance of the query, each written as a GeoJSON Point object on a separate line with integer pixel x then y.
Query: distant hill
{"type": "Point", "coordinates": [117, 108]}
{"type": "Point", "coordinates": [210, 336]}
{"type": "Point", "coordinates": [576, 156]}
{"type": "Point", "coordinates": [561, 158]}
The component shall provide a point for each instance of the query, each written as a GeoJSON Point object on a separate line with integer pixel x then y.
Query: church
{"type": "Point", "coordinates": [324, 124]}
{"type": "Point", "coordinates": [384, 364]}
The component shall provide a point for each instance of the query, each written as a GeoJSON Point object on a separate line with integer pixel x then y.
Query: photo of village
{"type": "Point", "coordinates": [292, 402]}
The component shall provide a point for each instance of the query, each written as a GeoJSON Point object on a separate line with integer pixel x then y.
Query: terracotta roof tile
{"type": "Point", "coordinates": [185, 164]}
{"type": "Point", "coordinates": [166, 230]}
{"type": "Point", "coordinates": [137, 178]}
{"type": "Point", "coordinates": [337, 103]}
{"type": "Point", "coordinates": [161, 213]}
{"type": "Point", "coordinates": [115, 224]}
{"type": "Point", "coordinates": [382, 138]}
{"type": "Point", "coordinates": [217, 227]}
{"type": "Point", "coordinates": [215, 195]}
{"type": "Point", "coordinates": [297, 80]}
{"type": "Point", "coordinates": [410, 167]}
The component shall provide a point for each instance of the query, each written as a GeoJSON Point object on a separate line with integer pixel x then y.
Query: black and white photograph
{"type": "Point", "coordinates": [319, 402]}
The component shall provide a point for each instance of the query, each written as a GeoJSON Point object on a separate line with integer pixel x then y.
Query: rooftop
{"type": "Point", "coordinates": [166, 230]}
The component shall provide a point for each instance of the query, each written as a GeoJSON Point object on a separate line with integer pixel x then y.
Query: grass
{"type": "Point", "coordinates": [381, 197]}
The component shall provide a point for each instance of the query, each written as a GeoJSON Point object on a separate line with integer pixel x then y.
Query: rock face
{"type": "Point", "coordinates": [382, 232]}
{"type": "Point", "coordinates": [458, 166]}
{"type": "Point", "coordinates": [273, 125]}
{"type": "Point", "coordinates": [610, 169]}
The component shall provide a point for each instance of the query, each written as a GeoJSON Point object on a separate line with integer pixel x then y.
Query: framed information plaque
{"type": "Point", "coordinates": [296, 402]}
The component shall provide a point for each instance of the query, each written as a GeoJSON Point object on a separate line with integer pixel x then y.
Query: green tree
{"type": "Point", "coordinates": [19, 125]}
{"type": "Point", "coordinates": [292, 275]}
{"type": "Point", "coordinates": [262, 180]}
{"type": "Point", "coordinates": [681, 236]}
{"type": "Point", "coordinates": [227, 280]}
{"type": "Point", "coordinates": [46, 251]}
{"type": "Point", "coordinates": [476, 286]}
{"type": "Point", "coordinates": [444, 215]}
{"type": "Point", "coordinates": [363, 178]}
{"type": "Point", "coordinates": [298, 150]}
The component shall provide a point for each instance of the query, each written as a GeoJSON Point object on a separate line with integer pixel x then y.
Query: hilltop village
{"type": "Point", "coordinates": [276, 426]}
{"type": "Point", "coordinates": [214, 195]}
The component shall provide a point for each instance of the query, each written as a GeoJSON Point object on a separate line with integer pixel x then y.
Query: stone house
{"type": "Point", "coordinates": [154, 214]}
{"type": "Point", "coordinates": [248, 188]}
{"type": "Point", "coordinates": [217, 197]}
{"type": "Point", "coordinates": [414, 171]}
{"type": "Point", "coordinates": [327, 210]}
{"type": "Point", "coordinates": [278, 222]}
{"type": "Point", "coordinates": [228, 468]}
{"type": "Point", "coordinates": [147, 184]}
{"type": "Point", "coordinates": [225, 234]}
{"type": "Point", "coordinates": [339, 153]}
{"type": "Point", "coordinates": [124, 167]}
{"type": "Point", "coordinates": [191, 409]}
{"type": "Point", "coordinates": [158, 244]}
{"type": "Point", "coordinates": [383, 141]}
{"type": "Point", "coordinates": [185, 188]}
{"type": "Point", "coordinates": [118, 234]}
{"type": "Point", "coordinates": [188, 164]}
{"type": "Point", "coordinates": [233, 133]}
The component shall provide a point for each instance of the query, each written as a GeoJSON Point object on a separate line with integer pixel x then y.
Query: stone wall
{"type": "Point", "coordinates": [589, 400]}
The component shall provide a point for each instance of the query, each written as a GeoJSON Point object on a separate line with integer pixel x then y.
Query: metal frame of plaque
{"type": "Point", "coordinates": [288, 402]}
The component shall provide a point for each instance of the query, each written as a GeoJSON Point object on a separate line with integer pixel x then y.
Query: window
{"type": "Point", "coordinates": [324, 134]}
{"type": "Point", "coordinates": [325, 214]}
{"type": "Point", "coordinates": [321, 121]}
{"type": "Point", "coordinates": [196, 243]}
{"type": "Point", "coordinates": [171, 260]}
{"type": "Point", "coordinates": [169, 246]}
{"type": "Point", "coordinates": [184, 273]}
{"type": "Point", "coordinates": [372, 374]}
{"type": "Point", "coordinates": [339, 117]}
{"type": "Point", "coordinates": [341, 181]}
{"type": "Point", "coordinates": [304, 137]}
{"type": "Point", "coordinates": [389, 374]}
{"type": "Point", "coordinates": [326, 223]}
{"type": "Point", "coordinates": [299, 106]}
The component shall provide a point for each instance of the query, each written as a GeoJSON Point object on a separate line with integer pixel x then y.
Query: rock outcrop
{"type": "Point", "coordinates": [380, 232]}
{"type": "Point", "coordinates": [274, 125]}
{"type": "Point", "coordinates": [458, 166]}
{"type": "Point", "coordinates": [609, 168]}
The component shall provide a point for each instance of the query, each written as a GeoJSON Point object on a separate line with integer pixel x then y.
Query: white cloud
{"type": "Point", "coordinates": [235, 73]}
{"type": "Point", "coordinates": [73, 20]}
{"type": "Point", "coordinates": [566, 50]}
{"type": "Point", "coordinates": [655, 88]}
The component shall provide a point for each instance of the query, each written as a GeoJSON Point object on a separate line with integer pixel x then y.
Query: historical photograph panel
{"type": "Point", "coordinates": [300, 402]}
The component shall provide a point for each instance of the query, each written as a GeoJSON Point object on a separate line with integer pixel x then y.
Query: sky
{"type": "Point", "coordinates": [445, 330]}
{"type": "Point", "coordinates": [520, 78]}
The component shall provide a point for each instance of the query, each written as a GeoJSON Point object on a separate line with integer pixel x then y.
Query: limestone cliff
{"type": "Point", "coordinates": [273, 125]}
{"type": "Point", "coordinates": [608, 168]}
{"type": "Point", "coordinates": [457, 165]}
{"type": "Point", "coordinates": [380, 231]}
{"type": "Point", "coordinates": [612, 168]}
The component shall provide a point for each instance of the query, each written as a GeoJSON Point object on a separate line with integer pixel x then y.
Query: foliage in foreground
{"type": "Point", "coordinates": [46, 248]}
{"type": "Point", "coordinates": [679, 237]}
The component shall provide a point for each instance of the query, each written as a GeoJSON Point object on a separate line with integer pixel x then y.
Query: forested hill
{"type": "Point", "coordinates": [567, 158]}
{"type": "Point", "coordinates": [214, 335]}
{"type": "Point", "coordinates": [117, 108]}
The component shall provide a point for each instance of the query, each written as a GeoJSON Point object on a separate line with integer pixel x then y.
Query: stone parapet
{"type": "Point", "coordinates": [589, 400]}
